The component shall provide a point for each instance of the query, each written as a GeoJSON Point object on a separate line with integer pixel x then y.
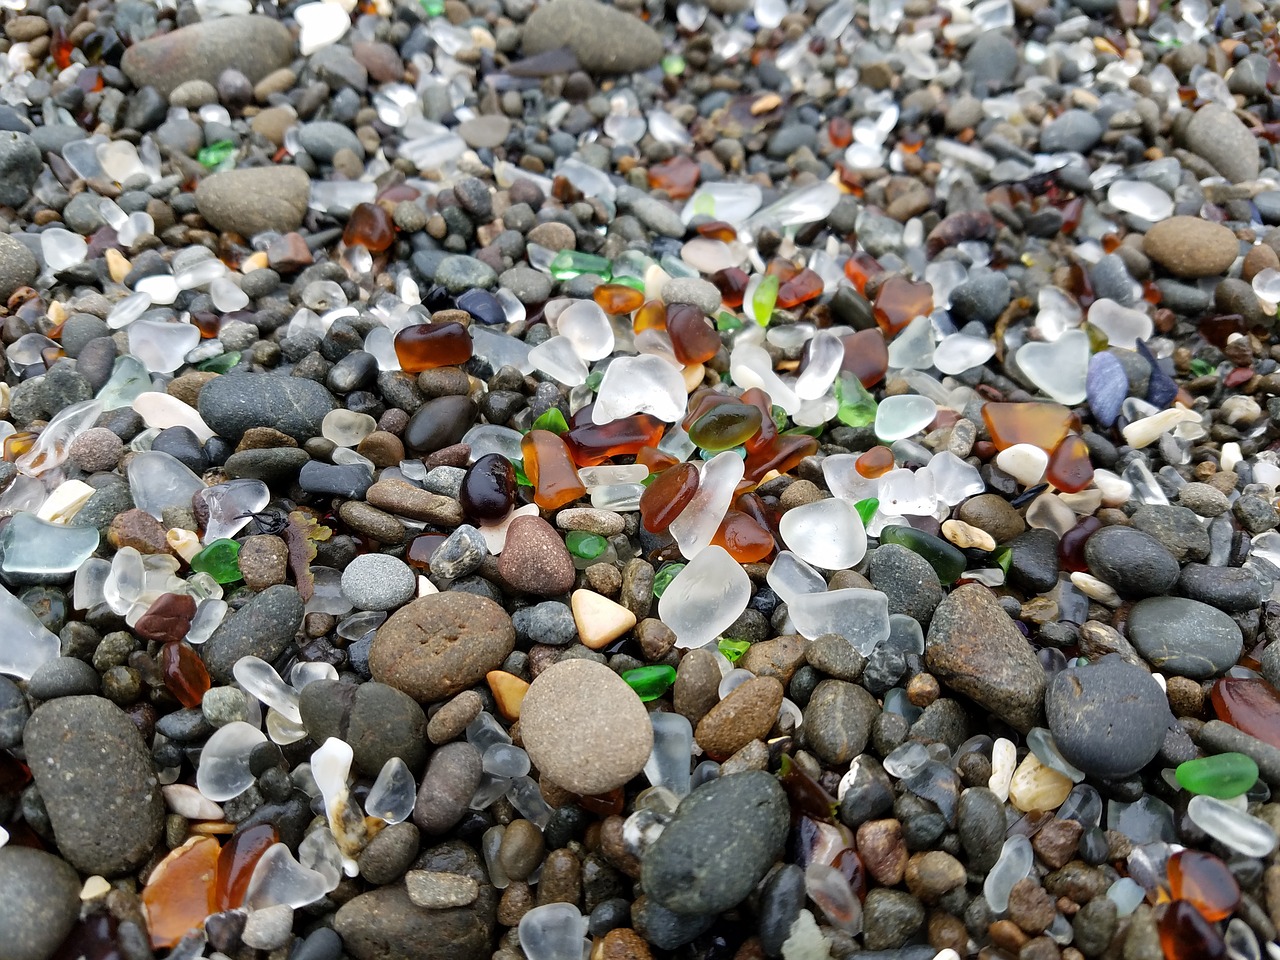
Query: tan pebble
{"type": "Point", "coordinates": [117, 265]}
{"type": "Point", "coordinates": [968, 537]}
{"type": "Point", "coordinates": [746, 714]}
{"type": "Point", "coordinates": [256, 261]}
{"type": "Point", "coordinates": [770, 101]}
{"type": "Point", "coordinates": [693, 375]}
{"type": "Point", "coordinates": [600, 621]}
{"type": "Point", "coordinates": [451, 720]}
{"type": "Point", "coordinates": [883, 851]}
{"type": "Point", "coordinates": [508, 691]}
{"type": "Point", "coordinates": [1037, 787]}
{"type": "Point", "coordinates": [94, 888]}
{"type": "Point", "coordinates": [623, 943]}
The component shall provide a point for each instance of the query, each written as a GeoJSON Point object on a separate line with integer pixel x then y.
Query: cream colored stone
{"type": "Point", "coordinates": [968, 537]}
{"type": "Point", "coordinates": [508, 692]}
{"type": "Point", "coordinates": [600, 621]}
{"type": "Point", "coordinates": [1037, 787]}
{"type": "Point", "coordinates": [1004, 757]}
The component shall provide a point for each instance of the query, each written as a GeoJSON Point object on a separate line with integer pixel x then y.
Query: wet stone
{"type": "Point", "coordinates": [1184, 637]}
{"type": "Point", "coordinates": [837, 721]}
{"type": "Point", "coordinates": [264, 627]}
{"type": "Point", "coordinates": [378, 721]}
{"type": "Point", "coordinates": [1133, 562]}
{"type": "Point", "coordinates": [41, 904]}
{"type": "Point", "coordinates": [232, 404]}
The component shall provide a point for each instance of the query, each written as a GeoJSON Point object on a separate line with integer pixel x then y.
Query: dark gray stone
{"type": "Point", "coordinates": [907, 579]}
{"type": "Point", "coordinates": [18, 266]}
{"type": "Point", "coordinates": [1178, 529]}
{"type": "Point", "coordinates": [41, 902]}
{"type": "Point", "coordinates": [20, 164]}
{"type": "Point", "coordinates": [63, 677]}
{"type": "Point", "coordinates": [379, 722]}
{"type": "Point", "coordinates": [1033, 564]}
{"type": "Point", "coordinates": [1184, 637]}
{"type": "Point", "coordinates": [1072, 130]}
{"type": "Point", "coordinates": [1108, 717]}
{"type": "Point", "coordinates": [837, 720]}
{"type": "Point", "coordinates": [447, 787]}
{"type": "Point", "coordinates": [1232, 589]}
{"type": "Point", "coordinates": [264, 627]}
{"type": "Point", "coordinates": [95, 777]}
{"type": "Point", "coordinates": [981, 824]}
{"type": "Point", "coordinates": [604, 39]}
{"type": "Point", "coordinates": [232, 404]}
{"type": "Point", "coordinates": [724, 837]}
{"type": "Point", "coordinates": [1135, 563]}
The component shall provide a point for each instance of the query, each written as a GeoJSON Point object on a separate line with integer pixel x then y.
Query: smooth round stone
{"type": "Point", "coordinates": [107, 815]}
{"type": "Point", "coordinates": [1184, 637]}
{"type": "Point", "coordinates": [375, 581]}
{"type": "Point", "coordinates": [603, 38]}
{"type": "Point", "coordinates": [1133, 562]}
{"type": "Point", "coordinates": [441, 644]}
{"type": "Point", "coordinates": [234, 403]}
{"type": "Point", "coordinates": [1024, 462]}
{"type": "Point", "coordinates": [1190, 247]}
{"type": "Point", "coordinates": [255, 200]}
{"type": "Point", "coordinates": [584, 728]}
{"type": "Point", "coordinates": [41, 902]}
{"type": "Point", "coordinates": [378, 721]}
{"type": "Point", "coordinates": [263, 628]}
{"type": "Point", "coordinates": [1074, 131]}
{"type": "Point", "coordinates": [722, 840]}
{"type": "Point", "coordinates": [1108, 718]}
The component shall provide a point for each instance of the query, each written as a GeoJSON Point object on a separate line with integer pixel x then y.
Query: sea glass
{"type": "Point", "coordinates": [705, 597]}
{"type": "Point", "coordinates": [1224, 775]}
{"type": "Point", "coordinates": [1204, 881]}
{"type": "Point", "coordinates": [1042, 424]}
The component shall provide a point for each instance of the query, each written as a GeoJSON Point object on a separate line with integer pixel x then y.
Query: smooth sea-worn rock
{"type": "Point", "coordinates": [253, 45]}
{"type": "Point", "coordinates": [1184, 637]}
{"type": "Point", "coordinates": [1133, 562]}
{"type": "Point", "coordinates": [974, 648]}
{"type": "Point", "coordinates": [263, 628]}
{"type": "Point", "coordinates": [232, 404]}
{"type": "Point", "coordinates": [41, 902]}
{"type": "Point", "coordinates": [96, 779]}
{"type": "Point", "coordinates": [604, 39]}
{"type": "Point", "coordinates": [378, 721]}
{"type": "Point", "coordinates": [254, 200]}
{"type": "Point", "coordinates": [725, 835]}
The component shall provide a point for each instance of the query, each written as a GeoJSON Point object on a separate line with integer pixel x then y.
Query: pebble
{"type": "Point", "coordinates": [20, 165]}
{"type": "Point", "coordinates": [1219, 136]}
{"type": "Point", "coordinates": [746, 714]}
{"type": "Point", "coordinates": [1072, 131]}
{"type": "Point", "coordinates": [603, 38]}
{"type": "Point", "coordinates": [447, 787]}
{"type": "Point", "coordinates": [18, 266]}
{"type": "Point", "coordinates": [253, 45]}
{"type": "Point", "coordinates": [378, 722]}
{"type": "Point", "coordinates": [1184, 637]}
{"type": "Point", "coordinates": [722, 840]}
{"type": "Point", "coordinates": [973, 647]}
{"type": "Point", "coordinates": [106, 817]}
{"type": "Point", "coordinates": [1133, 562]}
{"type": "Point", "coordinates": [438, 645]}
{"type": "Point", "coordinates": [584, 728]}
{"type": "Point", "coordinates": [389, 854]}
{"type": "Point", "coordinates": [535, 559]}
{"type": "Point", "coordinates": [1190, 247]}
{"type": "Point", "coordinates": [1230, 589]}
{"type": "Point", "coordinates": [254, 200]}
{"type": "Point", "coordinates": [41, 902]}
{"type": "Point", "coordinates": [235, 403]}
{"type": "Point", "coordinates": [1107, 718]}
{"type": "Point", "coordinates": [907, 580]}
{"type": "Point", "coordinates": [837, 721]}
{"type": "Point", "coordinates": [375, 581]}
{"type": "Point", "coordinates": [264, 627]}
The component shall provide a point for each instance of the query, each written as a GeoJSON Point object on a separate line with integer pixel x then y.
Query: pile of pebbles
{"type": "Point", "coordinates": [492, 739]}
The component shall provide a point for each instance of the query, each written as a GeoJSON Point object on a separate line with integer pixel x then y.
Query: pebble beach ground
{"type": "Point", "coordinates": [563, 480]}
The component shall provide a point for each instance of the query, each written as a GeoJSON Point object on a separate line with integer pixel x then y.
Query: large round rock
{"type": "Point", "coordinates": [41, 902]}
{"type": "Point", "coordinates": [1108, 717]}
{"type": "Point", "coordinates": [441, 644]}
{"type": "Point", "coordinates": [96, 779]}
{"type": "Point", "coordinates": [584, 728]}
{"type": "Point", "coordinates": [1135, 563]}
{"type": "Point", "coordinates": [232, 404]}
{"type": "Point", "coordinates": [721, 842]}
{"type": "Point", "coordinates": [1184, 637]}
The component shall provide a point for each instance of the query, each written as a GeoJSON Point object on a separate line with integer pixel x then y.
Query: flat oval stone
{"type": "Point", "coordinates": [378, 721]}
{"type": "Point", "coordinates": [253, 45]}
{"type": "Point", "coordinates": [41, 902]}
{"type": "Point", "coordinates": [722, 840]}
{"type": "Point", "coordinates": [96, 779]}
{"type": "Point", "coordinates": [236, 402]}
{"type": "Point", "coordinates": [263, 627]}
{"type": "Point", "coordinates": [746, 714]}
{"type": "Point", "coordinates": [441, 644]}
{"type": "Point", "coordinates": [584, 728]}
{"type": "Point", "coordinates": [1133, 562]}
{"type": "Point", "coordinates": [1184, 637]}
{"type": "Point", "coordinates": [1108, 718]}
{"type": "Point", "coordinates": [255, 200]}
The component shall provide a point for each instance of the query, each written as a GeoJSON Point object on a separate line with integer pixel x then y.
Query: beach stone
{"type": "Point", "coordinates": [97, 782]}
{"type": "Point", "coordinates": [746, 714]}
{"type": "Point", "coordinates": [1033, 567]}
{"type": "Point", "coordinates": [1190, 247]}
{"type": "Point", "coordinates": [1184, 637]}
{"type": "Point", "coordinates": [385, 924]}
{"type": "Point", "coordinates": [907, 579]}
{"type": "Point", "coordinates": [535, 559]}
{"type": "Point", "coordinates": [1233, 589]}
{"type": "Point", "coordinates": [1073, 130]}
{"type": "Point", "coordinates": [18, 266]}
{"type": "Point", "coordinates": [975, 649]}
{"type": "Point", "coordinates": [1177, 528]}
{"type": "Point", "coordinates": [255, 199]}
{"type": "Point", "coordinates": [719, 844]}
{"type": "Point", "coordinates": [264, 627]}
{"type": "Point", "coordinates": [992, 61]}
{"type": "Point", "coordinates": [447, 787]}
{"type": "Point", "coordinates": [1219, 136]}
{"type": "Point", "coordinates": [441, 644]}
{"type": "Point", "coordinates": [603, 38]}
{"type": "Point", "coordinates": [584, 728]}
{"type": "Point", "coordinates": [20, 165]}
{"type": "Point", "coordinates": [837, 720]}
{"type": "Point", "coordinates": [461, 273]}
{"type": "Point", "coordinates": [376, 581]}
{"type": "Point", "coordinates": [237, 402]}
{"type": "Point", "coordinates": [890, 918]}
{"type": "Point", "coordinates": [489, 130]}
{"type": "Point", "coordinates": [992, 513]}
{"type": "Point", "coordinates": [41, 902]}
{"type": "Point", "coordinates": [1133, 562]}
{"type": "Point", "coordinates": [1108, 718]}
{"type": "Point", "coordinates": [253, 45]}
{"type": "Point", "coordinates": [389, 854]}
{"type": "Point", "coordinates": [378, 721]}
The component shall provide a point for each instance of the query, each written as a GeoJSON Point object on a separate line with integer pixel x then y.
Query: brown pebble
{"type": "Point", "coordinates": [931, 874]}
{"type": "Point", "coordinates": [1055, 843]}
{"type": "Point", "coordinates": [1006, 935]}
{"type": "Point", "coordinates": [623, 943]}
{"type": "Point", "coordinates": [535, 559]}
{"type": "Point", "coordinates": [517, 900]}
{"type": "Point", "coordinates": [405, 500]}
{"type": "Point", "coordinates": [1259, 258]}
{"type": "Point", "coordinates": [637, 587]}
{"type": "Point", "coordinates": [615, 851]}
{"type": "Point", "coordinates": [922, 690]}
{"type": "Point", "coordinates": [779, 658]}
{"type": "Point", "coordinates": [138, 529]}
{"type": "Point", "coordinates": [372, 522]}
{"type": "Point", "coordinates": [1186, 696]}
{"type": "Point", "coordinates": [263, 561]}
{"type": "Point", "coordinates": [947, 932]}
{"type": "Point", "coordinates": [884, 852]}
{"type": "Point", "coordinates": [451, 720]}
{"type": "Point", "coordinates": [697, 685]}
{"type": "Point", "coordinates": [561, 879]}
{"type": "Point", "coordinates": [454, 455]}
{"type": "Point", "coordinates": [604, 579]}
{"type": "Point", "coordinates": [656, 639]}
{"type": "Point", "coordinates": [382, 449]}
{"type": "Point", "coordinates": [521, 850]}
{"type": "Point", "coordinates": [1030, 907]}
{"type": "Point", "coordinates": [746, 714]}
{"type": "Point", "coordinates": [188, 386]}
{"type": "Point", "coordinates": [754, 756]}
{"type": "Point", "coordinates": [96, 449]}
{"type": "Point", "coordinates": [264, 438]}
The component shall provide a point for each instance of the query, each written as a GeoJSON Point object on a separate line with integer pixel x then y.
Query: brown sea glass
{"type": "Point", "coordinates": [592, 444]}
{"type": "Point", "coordinates": [876, 462]}
{"type": "Point", "coordinates": [236, 861]}
{"type": "Point", "coordinates": [550, 468]}
{"type": "Point", "coordinates": [803, 287]}
{"type": "Point", "coordinates": [677, 176]}
{"type": "Point", "coordinates": [425, 346]}
{"type": "Point", "coordinates": [617, 298]}
{"type": "Point", "coordinates": [669, 494]}
{"type": "Point", "coordinates": [1070, 469]}
{"type": "Point", "coordinates": [743, 537]}
{"type": "Point", "coordinates": [1205, 882]}
{"type": "Point", "coordinates": [180, 891]}
{"type": "Point", "coordinates": [418, 555]}
{"type": "Point", "coordinates": [185, 675]}
{"type": "Point", "coordinates": [861, 268]}
{"type": "Point", "coordinates": [1250, 705]}
{"type": "Point", "coordinates": [1186, 935]}
{"type": "Point", "coordinates": [866, 356]}
{"type": "Point", "coordinates": [1043, 425]}
{"type": "Point", "coordinates": [732, 284]}
{"type": "Point", "coordinates": [652, 315]}
{"type": "Point", "coordinates": [371, 227]}
{"type": "Point", "coordinates": [168, 618]}
{"type": "Point", "coordinates": [899, 301]}
{"type": "Point", "coordinates": [1071, 546]}
{"type": "Point", "coordinates": [488, 491]}
{"type": "Point", "coordinates": [693, 338]}
{"type": "Point", "coordinates": [783, 455]}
